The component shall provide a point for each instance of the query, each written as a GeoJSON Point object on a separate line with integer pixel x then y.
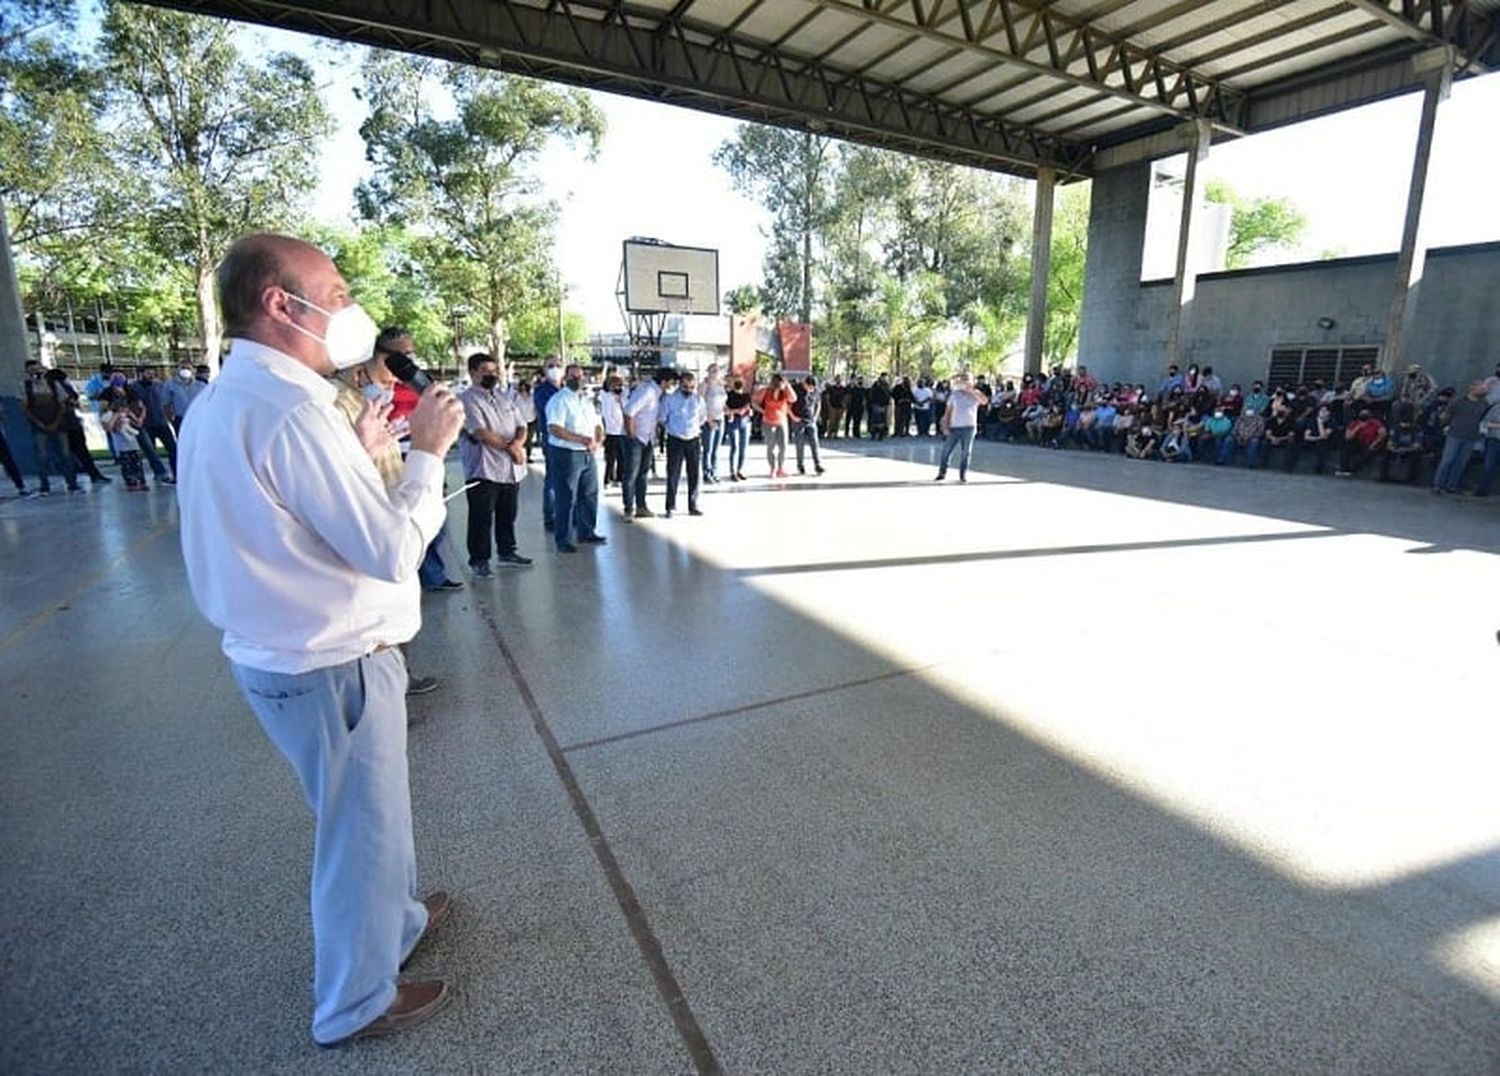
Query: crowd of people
{"type": "Point", "coordinates": [1397, 429]}
{"type": "Point", "coordinates": [140, 418]}
{"type": "Point", "coordinates": [312, 499]}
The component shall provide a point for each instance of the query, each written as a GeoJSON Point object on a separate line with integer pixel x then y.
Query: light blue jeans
{"type": "Point", "coordinates": [343, 729]}
{"type": "Point", "coordinates": [738, 432]}
{"type": "Point", "coordinates": [1455, 460]}
{"type": "Point", "coordinates": [712, 437]}
{"type": "Point", "coordinates": [961, 438]}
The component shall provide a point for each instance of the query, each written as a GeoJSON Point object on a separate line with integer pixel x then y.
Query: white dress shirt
{"type": "Point", "coordinates": [612, 413]}
{"type": "Point", "coordinates": [642, 409]}
{"type": "Point", "coordinates": [294, 548]}
{"type": "Point", "coordinates": [574, 413]}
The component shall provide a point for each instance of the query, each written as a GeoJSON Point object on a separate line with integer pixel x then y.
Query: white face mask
{"type": "Point", "coordinates": [186, 373]}
{"type": "Point", "coordinates": [378, 394]}
{"type": "Point", "coordinates": [554, 374]}
{"type": "Point", "coordinates": [350, 336]}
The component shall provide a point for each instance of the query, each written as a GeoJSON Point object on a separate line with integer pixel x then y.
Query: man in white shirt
{"type": "Point", "coordinates": [575, 434]}
{"type": "Point", "coordinates": [641, 415]}
{"type": "Point", "coordinates": [296, 550]}
{"type": "Point", "coordinates": [683, 413]}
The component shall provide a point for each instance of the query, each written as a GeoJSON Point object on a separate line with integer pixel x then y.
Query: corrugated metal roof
{"type": "Point", "coordinates": [1007, 84]}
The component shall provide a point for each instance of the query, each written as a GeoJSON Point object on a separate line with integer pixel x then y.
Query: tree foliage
{"type": "Point", "coordinates": [1070, 230]}
{"type": "Point", "coordinates": [1256, 225]}
{"type": "Point", "coordinates": [463, 186]}
{"type": "Point", "coordinates": [209, 146]}
{"type": "Point", "coordinates": [791, 174]}
{"type": "Point", "coordinates": [127, 170]}
{"type": "Point", "coordinates": [912, 265]}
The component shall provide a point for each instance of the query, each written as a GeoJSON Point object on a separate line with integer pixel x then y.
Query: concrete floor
{"type": "Point", "coordinates": [1089, 766]}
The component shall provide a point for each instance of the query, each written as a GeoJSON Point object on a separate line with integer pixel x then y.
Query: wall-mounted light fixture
{"type": "Point", "coordinates": [1326, 323]}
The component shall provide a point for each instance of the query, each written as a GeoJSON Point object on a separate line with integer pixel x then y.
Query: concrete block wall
{"type": "Point", "coordinates": [1240, 316]}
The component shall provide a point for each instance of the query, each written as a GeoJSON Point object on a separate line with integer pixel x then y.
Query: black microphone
{"type": "Point", "coordinates": [406, 369]}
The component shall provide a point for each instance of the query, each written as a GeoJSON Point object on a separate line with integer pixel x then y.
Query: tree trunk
{"type": "Point", "coordinates": [807, 226]}
{"type": "Point", "coordinates": [209, 328]}
{"type": "Point", "coordinates": [497, 338]}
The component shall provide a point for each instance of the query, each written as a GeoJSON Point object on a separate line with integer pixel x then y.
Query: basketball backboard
{"type": "Point", "coordinates": [664, 279]}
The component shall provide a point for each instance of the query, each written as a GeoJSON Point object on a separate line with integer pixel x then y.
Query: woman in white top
{"type": "Point", "coordinates": [612, 411]}
{"type": "Point", "coordinates": [712, 437]}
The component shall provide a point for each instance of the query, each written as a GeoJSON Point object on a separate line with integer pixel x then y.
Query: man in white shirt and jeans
{"type": "Point", "coordinates": [298, 553]}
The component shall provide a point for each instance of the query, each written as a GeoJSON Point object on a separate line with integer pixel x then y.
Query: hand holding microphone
{"type": "Point", "coordinates": [438, 415]}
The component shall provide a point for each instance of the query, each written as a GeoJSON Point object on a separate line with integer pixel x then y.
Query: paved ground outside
{"type": "Point", "coordinates": [1085, 766]}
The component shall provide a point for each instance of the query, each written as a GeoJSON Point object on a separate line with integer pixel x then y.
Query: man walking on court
{"type": "Point", "coordinates": [806, 413]}
{"type": "Point", "coordinates": [958, 425]}
{"type": "Point", "coordinates": [296, 550]}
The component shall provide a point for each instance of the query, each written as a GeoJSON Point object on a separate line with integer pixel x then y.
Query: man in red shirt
{"type": "Point", "coordinates": [1362, 441]}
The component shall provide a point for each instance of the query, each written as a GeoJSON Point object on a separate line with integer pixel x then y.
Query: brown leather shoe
{"type": "Point", "coordinates": [414, 1003]}
{"type": "Point", "coordinates": [439, 907]}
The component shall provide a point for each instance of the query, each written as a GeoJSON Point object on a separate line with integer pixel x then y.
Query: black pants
{"type": "Point", "coordinates": [80, 446]}
{"type": "Point", "coordinates": [614, 458]}
{"type": "Point", "coordinates": [1353, 456]}
{"type": "Point", "coordinates": [492, 510]}
{"type": "Point", "coordinates": [853, 419]}
{"type": "Point", "coordinates": [1408, 464]}
{"type": "Point", "coordinates": [681, 450]}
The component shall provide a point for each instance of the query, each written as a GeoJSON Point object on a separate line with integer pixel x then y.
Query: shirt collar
{"type": "Point", "coordinates": [279, 363]}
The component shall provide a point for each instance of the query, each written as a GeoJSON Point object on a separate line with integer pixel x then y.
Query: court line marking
{"type": "Point", "coordinates": [764, 704]}
{"type": "Point", "coordinates": [42, 616]}
{"type": "Point", "coordinates": [667, 987]}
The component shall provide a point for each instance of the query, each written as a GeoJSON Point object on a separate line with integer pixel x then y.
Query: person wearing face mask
{"type": "Point", "coordinates": [365, 396]}
{"type": "Point", "coordinates": [494, 456]}
{"type": "Point", "coordinates": [612, 411]}
{"type": "Point", "coordinates": [151, 417]}
{"type": "Point", "coordinates": [78, 442]}
{"type": "Point", "coordinates": [394, 340]}
{"type": "Point", "coordinates": [683, 413]}
{"type": "Point", "coordinates": [305, 560]}
{"type": "Point", "coordinates": [44, 405]}
{"type": "Point", "coordinates": [575, 434]}
{"type": "Point", "coordinates": [714, 397]}
{"type": "Point", "coordinates": [541, 396]}
{"type": "Point", "coordinates": [179, 395]}
{"type": "Point", "coordinates": [642, 414]}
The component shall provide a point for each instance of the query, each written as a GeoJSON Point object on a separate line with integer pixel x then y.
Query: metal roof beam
{"type": "Point", "coordinates": [1126, 72]}
{"type": "Point", "coordinates": [628, 52]}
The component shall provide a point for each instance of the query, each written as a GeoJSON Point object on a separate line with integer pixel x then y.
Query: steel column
{"type": "Point", "coordinates": [1412, 259]}
{"type": "Point", "coordinates": [1185, 281]}
{"type": "Point", "coordinates": [1041, 268]}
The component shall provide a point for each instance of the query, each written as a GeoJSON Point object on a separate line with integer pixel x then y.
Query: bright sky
{"type": "Point", "coordinates": [655, 177]}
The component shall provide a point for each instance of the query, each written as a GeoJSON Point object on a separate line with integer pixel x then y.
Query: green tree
{"type": "Point", "coordinates": [791, 174]}
{"type": "Point", "coordinates": [744, 299]}
{"type": "Point", "coordinates": [1070, 231]}
{"type": "Point", "coordinates": [535, 332]}
{"type": "Point", "coordinates": [464, 185]}
{"type": "Point", "coordinates": [385, 275]}
{"type": "Point", "coordinates": [209, 146]}
{"type": "Point", "coordinates": [1256, 224]}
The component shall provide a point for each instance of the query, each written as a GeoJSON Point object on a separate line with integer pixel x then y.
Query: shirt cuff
{"type": "Point", "coordinates": [424, 468]}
